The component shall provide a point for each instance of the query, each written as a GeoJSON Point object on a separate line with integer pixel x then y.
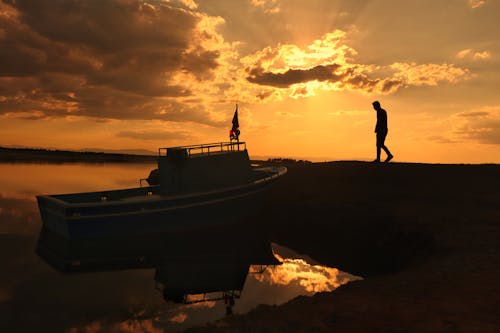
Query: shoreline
{"type": "Point", "coordinates": [29, 155]}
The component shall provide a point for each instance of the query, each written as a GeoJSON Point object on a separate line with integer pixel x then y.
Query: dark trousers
{"type": "Point", "coordinates": [381, 144]}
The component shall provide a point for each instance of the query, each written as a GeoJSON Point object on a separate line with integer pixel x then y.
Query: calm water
{"type": "Point", "coordinates": [34, 297]}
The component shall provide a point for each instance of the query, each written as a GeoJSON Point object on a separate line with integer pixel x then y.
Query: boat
{"type": "Point", "coordinates": [196, 186]}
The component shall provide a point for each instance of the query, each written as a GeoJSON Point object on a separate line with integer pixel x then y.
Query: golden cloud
{"type": "Point", "coordinates": [476, 3]}
{"type": "Point", "coordinates": [268, 6]}
{"type": "Point", "coordinates": [482, 55]}
{"type": "Point", "coordinates": [472, 54]}
{"type": "Point", "coordinates": [328, 64]}
{"type": "Point", "coordinates": [428, 74]}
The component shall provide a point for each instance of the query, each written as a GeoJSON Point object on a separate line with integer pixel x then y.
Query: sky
{"type": "Point", "coordinates": [139, 75]}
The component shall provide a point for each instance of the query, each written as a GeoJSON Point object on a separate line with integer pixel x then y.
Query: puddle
{"type": "Point", "coordinates": [272, 285]}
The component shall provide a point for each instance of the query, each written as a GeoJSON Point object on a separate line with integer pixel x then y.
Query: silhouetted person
{"type": "Point", "coordinates": [381, 131]}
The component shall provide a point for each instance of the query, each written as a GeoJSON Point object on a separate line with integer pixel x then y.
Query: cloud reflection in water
{"type": "Point", "coordinates": [313, 278]}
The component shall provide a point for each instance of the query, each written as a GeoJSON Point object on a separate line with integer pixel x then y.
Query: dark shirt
{"type": "Point", "coordinates": [381, 121]}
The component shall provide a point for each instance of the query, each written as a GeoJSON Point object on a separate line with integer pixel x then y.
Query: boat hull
{"type": "Point", "coordinates": [144, 210]}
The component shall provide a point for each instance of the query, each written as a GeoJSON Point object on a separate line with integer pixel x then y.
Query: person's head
{"type": "Point", "coordinates": [376, 105]}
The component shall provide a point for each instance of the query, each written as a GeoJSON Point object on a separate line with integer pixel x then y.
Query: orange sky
{"type": "Point", "coordinates": [128, 74]}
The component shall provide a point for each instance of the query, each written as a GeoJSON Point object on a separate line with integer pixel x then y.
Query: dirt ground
{"type": "Point", "coordinates": [426, 239]}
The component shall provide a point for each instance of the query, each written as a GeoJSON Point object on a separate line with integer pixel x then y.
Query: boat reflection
{"type": "Point", "coordinates": [190, 267]}
{"type": "Point", "coordinates": [217, 279]}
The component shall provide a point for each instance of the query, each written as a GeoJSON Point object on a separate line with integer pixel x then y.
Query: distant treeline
{"type": "Point", "coordinates": [62, 156]}
{"type": "Point", "coordinates": [287, 161]}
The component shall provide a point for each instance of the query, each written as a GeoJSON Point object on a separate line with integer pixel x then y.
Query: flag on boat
{"type": "Point", "coordinates": [234, 133]}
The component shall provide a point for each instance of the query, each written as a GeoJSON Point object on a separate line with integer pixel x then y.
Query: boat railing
{"type": "Point", "coordinates": [206, 149]}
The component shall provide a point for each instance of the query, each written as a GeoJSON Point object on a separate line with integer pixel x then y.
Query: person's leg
{"type": "Point", "coordinates": [381, 143]}
{"type": "Point", "coordinates": [378, 144]}
{"type": "Point", "coordinates": [389, 155]}
{"type": "Point", "coordinates": [378, 149]}
{"type": "Point", "coordinates": [386, 150]}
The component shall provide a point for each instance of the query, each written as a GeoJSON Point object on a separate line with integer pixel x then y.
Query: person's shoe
{"type": "Point", "coordinates": [388, 158]}
{"type": "Point", "coordinates": [376, 161]}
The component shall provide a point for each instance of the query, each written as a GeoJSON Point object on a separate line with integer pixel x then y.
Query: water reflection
{"type": "Point", "coordinates": [113, 284]}
{"type": "Point", "coordinates": [27, 180]}
{"type": "Point", "coordinates": [188, 265]}
{"type": "Point", "coordinates": [303, 271]}
{"type": "Point", "coordinates": [200, 275]}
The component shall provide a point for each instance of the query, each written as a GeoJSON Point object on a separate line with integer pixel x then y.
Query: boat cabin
{"type": "Point", "coordinates": [187, 169]}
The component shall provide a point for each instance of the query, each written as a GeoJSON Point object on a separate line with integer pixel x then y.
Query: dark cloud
{"type": "Point", "coordinates": [107, 26]}
{"type": "Point", "coordinates": [264, 94]}
{"type": "Point", "coordinates": [293, 76]}
{"type": "Point", "coordinates": [302, 91]}
{"type": "Point", "coordinates": [93, 58]}
{"type": "Point", "coordinates": [474, 114]}
{"type": "Point", "coordinates": [350, 77]}
{"type": "Point", "coordinates": [391, 85]}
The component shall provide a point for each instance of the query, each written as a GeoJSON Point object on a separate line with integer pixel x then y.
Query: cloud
{"type": "Point", "coordinates": [328, 64]}
{"type": "Point", "coordinates": [481, 125]}
{"type": "Point", "coordinates": [474, 114]}
{"type": "Point", "coordinates": [166, 60]}
{"type": "Point", "coordinates": [191, 4]}
{"type": "Point", "coordinates": [113, 59]}
{"type": "Point", "coordinates": [412, 74]}
{"type": "Point", "coordinates": [476, 3]}
{"type": "Point", "coordinates": [482, 55]}
{"type": "Point", "coordinates": [292, 76]}
{"type": "Point", "coordinates": [474, 55]}
{"type": "Point", "coordinates": [268, 6]}
{"type": "Point", "coordinates": [464, 53]}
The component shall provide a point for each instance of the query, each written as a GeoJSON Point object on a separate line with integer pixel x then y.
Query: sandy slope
{"type": "Point", "coordinates": [425, 237]}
